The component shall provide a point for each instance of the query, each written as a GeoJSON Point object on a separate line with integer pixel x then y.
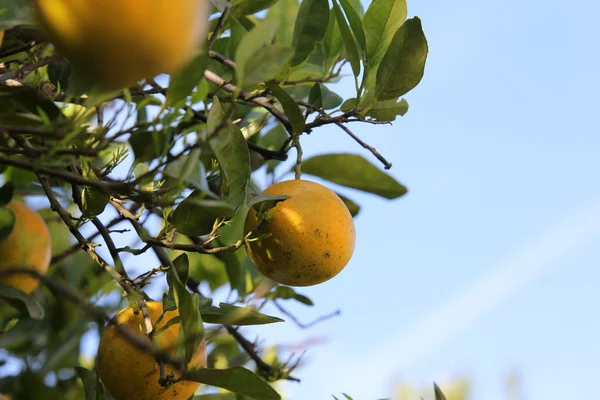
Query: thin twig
{"type": "Point", "coordinates": [27, 69]}
{"type": "Point", "coordinates": [386, 163]}
{"type": "Point", "coordinates": [308, 325]}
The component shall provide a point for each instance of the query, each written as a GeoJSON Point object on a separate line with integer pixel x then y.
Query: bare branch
{"type": "Point", "coordinates": [308, 325]}
{"type": "Point", "coordinates": [386, 163]}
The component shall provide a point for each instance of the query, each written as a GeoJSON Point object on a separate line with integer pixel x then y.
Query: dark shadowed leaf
{"type": "Point", "coordinates": [382, 19]}
{"type": "Point", "coordinates": [264, 202]}
{"type": "Point", "coordinates": [349, 40]}
{"type": "Point", "coordinates": [93, 201]}
{"type": "Point", "coordinates": [403, 65]}
{"type": "Point", "coordinates": [91, 385]}
{"type": "Point", "coordinates": [7, 222]}
{"type": "Point", "coordinates": [310, 28]}
{"type": "Point", "coordinates": [196, 215]}
{"type": "Point", "coordinates": [352, 206]}
{"type": "Point", "coordinates": [236, 379]}
{"type": "Point", "coordinates": [23, 302]}
{"type": "Point", "coordinates": [354, 171]}
{"type": "Point", "coordinates": [438, 393]}
{"type": "Point", "coordinates": [231, 151]}
{"type": "Point", "coordinates": [321, 97]}
{"type": "Point", "coordinates": [290, 107]}
{"type": "Point", "coordinates": [228, 314]}
{"type": "Point", "coordinates": [148, 145]}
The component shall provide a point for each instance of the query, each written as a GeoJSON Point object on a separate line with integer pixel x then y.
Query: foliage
{"type": "Point", "coordinates": [166, 171]}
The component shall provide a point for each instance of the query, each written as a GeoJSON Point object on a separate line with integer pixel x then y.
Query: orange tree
{"type": "Point", "coordinates": [136, 129]}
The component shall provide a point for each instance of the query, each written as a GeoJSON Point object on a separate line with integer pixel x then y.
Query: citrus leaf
{"type": "Point", "coordinates": [231, 151]}
{"type": "Point", "coordinates": [382, 19]}
{"type": "Point", "coordinates": [6, 193]}
{"type": "Point", "coordinates": [388, 110]}
{"type": "Point", "coordinates": [182, 83]}
{"type": "Point", "coordinates": [93, 388]}
{"type": "Point", "coordinates": [352, 206]}
{"type": "Point", "coordinates": [290, 107]}
{"type": "Point", "coordinates": [355, 25]}
{"type": "Point", "coordinates": [7, 222]}
{"type": "Point", "coordinates": [254, 41]}
{"type": "Point", "coordinates": [353, 170]}
{"type": "Point", "coordinates": [227, 314]}
{"type": "Point", "coordinates": [237, 379]}
{"type": "Point", "coordinates": [196, 215]}
{"type": "Point", "coordinates": [22, 301]}
{"type": "Point", "coordinates": [309, 29]}
{"type": "Point", "coordinates": [349, 41]}
{"type": "Point", "coordinates": [438, 393]}
{"type": "Point", "coordinates": [403, 65]}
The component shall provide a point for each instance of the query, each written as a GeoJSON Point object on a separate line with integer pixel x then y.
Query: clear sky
{"type": "Point", "coordinates": [490, 264]}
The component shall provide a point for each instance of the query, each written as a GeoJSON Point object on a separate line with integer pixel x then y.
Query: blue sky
{"type": "Point", "coordinates": [489, 264]}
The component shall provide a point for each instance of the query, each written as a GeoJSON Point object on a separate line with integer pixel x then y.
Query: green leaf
{"type": "Point", "coordinates": [182, 267]}
{"type": "Point", "coordinates": [355, 25]}
{"type": "Point", "coordinates": [349, 41]}
{"type": "Point", "coordinates": [321, 97]}
{"type": "Point", "coordinates": [290, 107]}
{"type": "Point", "coordinates": [191, 329]}
{"type": "Point", "coordinates": [353, 170]}
{"type": "Point", "coordinates": [236, 379]}
{"type": "Point", "coordinates": [148, 145]}
{"type": "Point", "coordinates": [248, 7]}
{"type": "Point", "coordinates": [253, 42]}
{"type": "Point", "coordinates": [438, 393]}
{"type": "Point", "coordinates": [196, 215]}
{"type": "Point", "coordinates": [7, 222]}
{"type": "Point", "coordinates": [266, 64]}
{"type": "Point", "coordinates": [15, 12]}
{"type": "Point", "coordinates": [352, 206]}
{"type": "Point", "coordinates": [231, 151]}
{"type": "Point", "coordinates": [264, 202]}
{"type": "Point", "coordinates": [93, 201]}
{"type": "Point", "coordinates": [22, 301]}
{"type": "Point", "coordinates": [184, 81]}
{"type": "Point", "coordinates": [333, 44]}
{"type": "Point", "coordinates": [403, 65]}
{"type": "Point", "coordinates": [93, 388]}
{"type": "Point", "coordinates": [188, 169]}
{"type": "Point", "coordinates": [309, 29]}
{"type": "Point", "coordinates": [382, 19]}
{"type": "Point", "coordinates": [227, 314]}
{"type": "Point", "coordinates": [287, 293]}
{"type": "Point", "coordinates": [347, 397]}
{"type": "Point", "coordinates": [286, 12]}
{"type": "Point", "coordinates": [388, 110]}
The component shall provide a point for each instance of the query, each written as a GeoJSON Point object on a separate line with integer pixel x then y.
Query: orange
{"type": "Point", "coordinates": [27, 246]}
{"type": "Point", "coordinates": [131, 374]}
{"type": "Point", "coordinates": [120, 42]}
{"type": "Point", "coordinates": [304, 240]}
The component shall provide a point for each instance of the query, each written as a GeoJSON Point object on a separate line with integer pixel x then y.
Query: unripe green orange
{"type": "Point", "coordinates": [27, 246]}
{"type": "Point", "coordinates": [120, 42]}
{"type": "Point", "coordinates": [131, 374]}
{"type": "Point", "coordinates": [306, 239]}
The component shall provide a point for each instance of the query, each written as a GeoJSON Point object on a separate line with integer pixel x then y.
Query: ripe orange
{"type": "Point", "coordinates": [27, 246]}
{"type": "Point", "coordinates": [130, 374]}
{"type": "Point", "coordinates": [120, 42]}
{"type": "Point", "coordinates": [306, 239]}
